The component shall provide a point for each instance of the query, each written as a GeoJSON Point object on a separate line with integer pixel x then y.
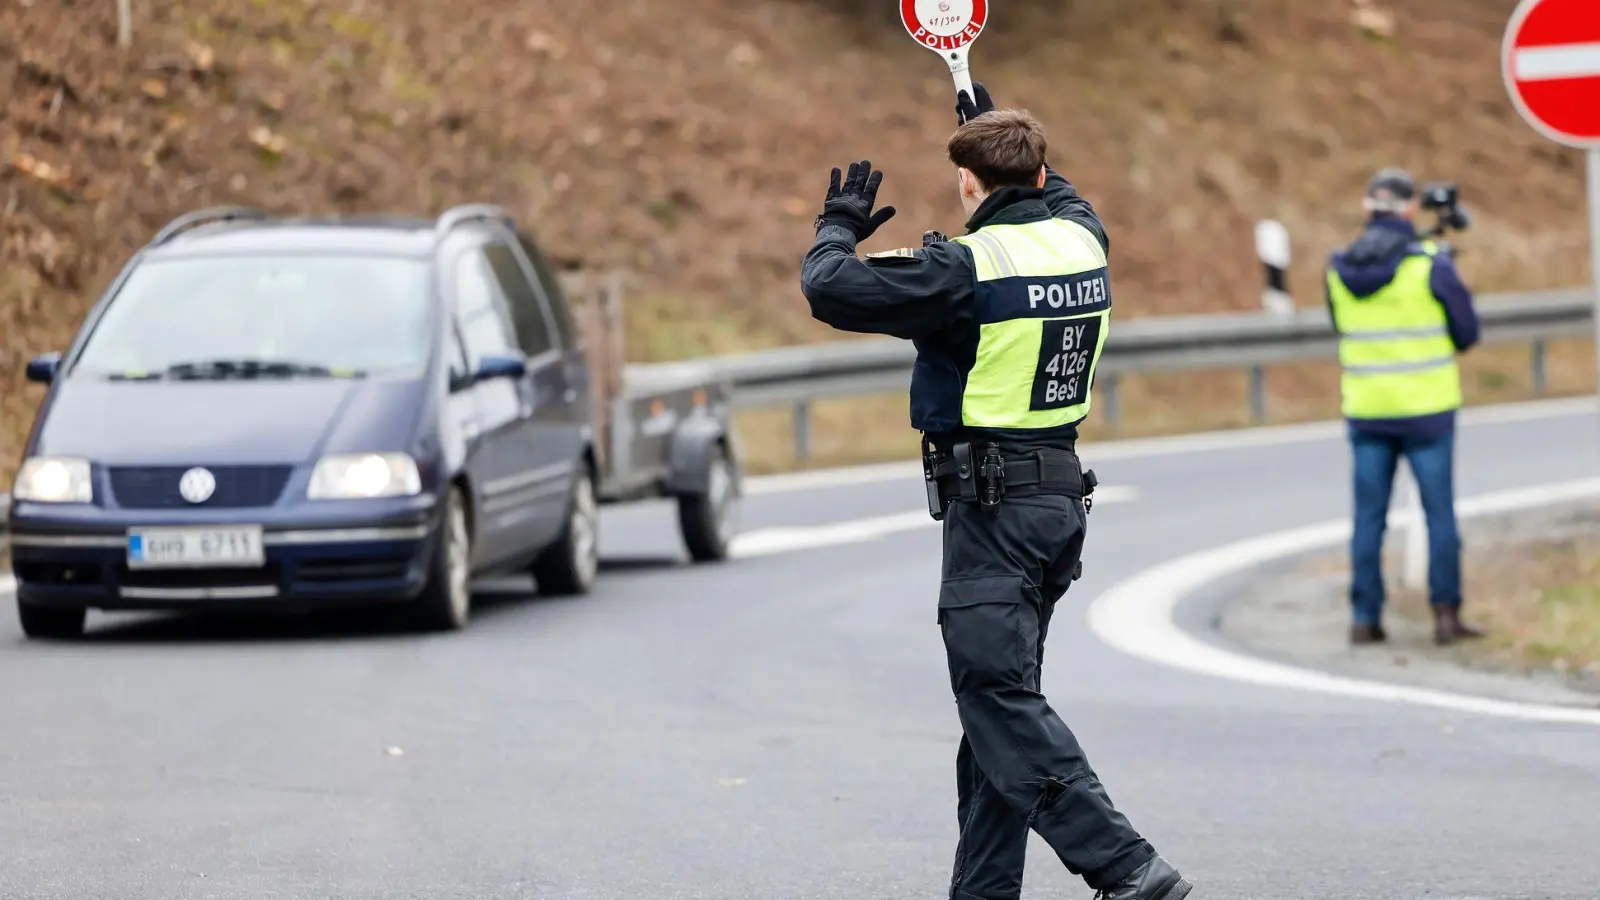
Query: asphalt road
{"type": "Point", "coordinates": [776, 727]}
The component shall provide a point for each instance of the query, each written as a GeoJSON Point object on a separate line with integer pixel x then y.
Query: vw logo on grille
{"type": "Point", "coordinates": [197, 485]}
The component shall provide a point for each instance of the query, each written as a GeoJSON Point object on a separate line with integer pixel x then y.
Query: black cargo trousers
{"type": "Point", "coordinates": [1019, 765]}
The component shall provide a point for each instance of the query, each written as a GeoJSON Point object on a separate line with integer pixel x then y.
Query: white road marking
{"type": "Point", "coordinates": [1557, 61]}
{"type": "Point", "coordinates": [1133, 448]}
{"type": "Point", "coordinates": [1136, 616]}
{"type": "Point", "coordinates": [767, 541]}
{"type": "Point", "coordinates": [829, 478]}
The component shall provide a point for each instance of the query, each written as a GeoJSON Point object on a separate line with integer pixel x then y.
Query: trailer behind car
{"type": "Point", "coordinates": [668, 433]}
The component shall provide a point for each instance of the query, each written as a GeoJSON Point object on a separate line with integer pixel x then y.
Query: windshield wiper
{"type": "Point", "coordinates": [253, 368]}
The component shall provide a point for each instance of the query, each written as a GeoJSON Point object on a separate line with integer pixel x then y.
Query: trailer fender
{"type": "Point", "coordinates": [689, 458]}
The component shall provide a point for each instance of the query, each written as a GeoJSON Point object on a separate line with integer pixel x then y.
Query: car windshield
{"type": "Point", "coordinates": [264, 316]}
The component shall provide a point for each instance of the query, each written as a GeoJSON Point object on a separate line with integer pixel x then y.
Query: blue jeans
{"type": "Point", "coordinates": [1431, 461]}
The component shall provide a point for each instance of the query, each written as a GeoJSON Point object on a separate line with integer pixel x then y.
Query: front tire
{"type": "Point", "coordinates": [50, 622]}
{"type": "Point", "coordinates": [569, 566]}
{"type": "Point", "coordinates": [446, 600]}
{"type": "Point", "coordinates": [709, 521]}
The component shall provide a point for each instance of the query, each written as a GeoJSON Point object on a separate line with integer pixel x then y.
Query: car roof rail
{"type": "Point", "coordinates": [206, 216]}
{"type": "Point", "coordinates": [471, 212]}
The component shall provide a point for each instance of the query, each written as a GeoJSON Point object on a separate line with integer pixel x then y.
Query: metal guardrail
{"type": "Point", "coordinates": [5, 511]}
{"type": "Point", "coordinates": [1252, 341]}
{"type": "Point", "coordinates": [803, 374]}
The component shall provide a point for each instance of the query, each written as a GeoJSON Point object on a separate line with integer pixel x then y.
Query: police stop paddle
{"type": "Point", "coordinates": [947, 27]}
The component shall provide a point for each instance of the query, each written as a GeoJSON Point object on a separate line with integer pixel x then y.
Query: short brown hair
{"type": "Point", "coordinates": [1004, 148]}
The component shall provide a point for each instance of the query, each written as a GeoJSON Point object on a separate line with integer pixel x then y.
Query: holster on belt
{"type": "Point", "coordinates": [987, 476]}
{"type": "Point", "coordinates": [948, 476]}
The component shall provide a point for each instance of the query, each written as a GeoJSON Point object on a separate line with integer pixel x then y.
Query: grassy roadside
{"type": "Point", "coordinates": [1538, 600]}
{"type": "Point", "coordinates": [852, 430]}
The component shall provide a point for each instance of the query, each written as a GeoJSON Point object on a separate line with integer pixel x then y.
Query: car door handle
{"type": "Point", "coordinates": [569, 395]}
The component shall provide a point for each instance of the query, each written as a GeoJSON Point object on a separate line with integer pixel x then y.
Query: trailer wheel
{"type": "Point", "coordinates": [710, 520]}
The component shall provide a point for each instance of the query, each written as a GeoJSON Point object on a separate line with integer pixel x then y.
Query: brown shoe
{"type": "Point", "coordinates": [1367, 634]}
{"type": "Point", "coordinates": [1448, 627]}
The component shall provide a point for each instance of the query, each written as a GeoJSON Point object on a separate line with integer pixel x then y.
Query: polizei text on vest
{"type": "Point", "coordinates": [1068, 294]}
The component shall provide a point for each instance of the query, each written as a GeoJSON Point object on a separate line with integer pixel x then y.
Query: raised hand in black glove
{"type": "Point", "coordinates": [851, 205]}
{"type": "Point", "coordinates": [967, 109]}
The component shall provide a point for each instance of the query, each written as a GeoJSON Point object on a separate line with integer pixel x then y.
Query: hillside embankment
{"type": "Point", "coordinates": [690, 141]}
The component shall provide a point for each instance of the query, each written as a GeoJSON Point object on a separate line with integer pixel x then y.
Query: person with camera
{"type": "Point", "coordinates": [1403, 316]}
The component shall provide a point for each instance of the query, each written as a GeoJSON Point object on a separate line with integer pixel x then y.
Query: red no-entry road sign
{"type": "Point", "coordinates": [1551, 63]}
{"type": "Point", "coordinates": [1550, 59]}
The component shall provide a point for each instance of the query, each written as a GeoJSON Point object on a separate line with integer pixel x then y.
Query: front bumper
{"type": "Point", "coordinates": [367, 553]}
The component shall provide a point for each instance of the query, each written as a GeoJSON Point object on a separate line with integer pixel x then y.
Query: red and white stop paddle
{"type": "Point", "coordinates": [947, 27]}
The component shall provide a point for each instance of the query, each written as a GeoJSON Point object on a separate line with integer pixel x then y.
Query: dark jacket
{"type": "Point", "coordinates": [926, 295]}
{"type": "Point", "coordinates": [1367, 266]}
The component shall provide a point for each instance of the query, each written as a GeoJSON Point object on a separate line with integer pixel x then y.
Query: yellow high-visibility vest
{"type": "Point", "coordinates": [1395, 351]}
{"type": "Point", "coordinates": [1043, 308]}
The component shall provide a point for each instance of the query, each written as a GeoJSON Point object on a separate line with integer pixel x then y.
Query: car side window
{"type": "Point", "coordinates": [533, 329]}
{"type": "Point", "coordinates": [482, 311]}
{"type": "Point", "coordinates": [554, 296]}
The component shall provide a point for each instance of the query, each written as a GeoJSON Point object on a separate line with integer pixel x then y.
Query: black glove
{"type": "Point", "coordinates": [967, 110]}
{"type": "Point", "coordinates": [851, 205]}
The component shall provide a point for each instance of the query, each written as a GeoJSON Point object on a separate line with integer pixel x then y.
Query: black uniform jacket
{"type": "Point", "coordinates": [926, 295]}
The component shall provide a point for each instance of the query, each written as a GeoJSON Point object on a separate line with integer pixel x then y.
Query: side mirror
{"type": "Point", "coordinates": [42, 369]}
{"type": "Point", "coordinates": [501, 367]}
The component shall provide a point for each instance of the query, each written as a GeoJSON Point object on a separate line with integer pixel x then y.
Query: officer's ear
{"type": "Point", "coordinates": [1040, 182]}
{"type": "Point", "coordinates": [970, 186]}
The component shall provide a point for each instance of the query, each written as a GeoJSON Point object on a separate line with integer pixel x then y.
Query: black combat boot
{"type": "Point", "coordinates": [1155, 880]}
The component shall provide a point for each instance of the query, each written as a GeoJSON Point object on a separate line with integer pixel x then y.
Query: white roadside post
{"type": "Point", "coordinates": [947, 27]}
{"type": "Point", "coordinates": [1414, 561]}
{"type": "Point", "coordinates": [1272, 246]}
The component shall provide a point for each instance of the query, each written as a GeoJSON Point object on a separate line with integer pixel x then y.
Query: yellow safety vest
{"type": "Point", "coordinates": [1043, 308]}
{"type": "Point", "coordinates": [1395, 351]}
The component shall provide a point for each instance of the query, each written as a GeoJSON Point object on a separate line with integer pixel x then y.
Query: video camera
{"type": "Point", "coordinates": [1444, 200]}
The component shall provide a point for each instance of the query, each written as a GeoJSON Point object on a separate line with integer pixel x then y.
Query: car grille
{"type": "Point", "coordinates": [238, 487]}
{"type": "Point", "coordinates": [364, 569]}
{"type": "Point", "coordinates": [267, 575]}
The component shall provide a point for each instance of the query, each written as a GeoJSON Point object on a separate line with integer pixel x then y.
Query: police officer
{"type": "Point", "coordinates": [1403, 315]}
{"type": "Point", "coordinates": [1009, 321]}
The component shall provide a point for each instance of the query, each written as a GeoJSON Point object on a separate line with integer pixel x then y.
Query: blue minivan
{"type": "Point", "coordinates": [296, 414]}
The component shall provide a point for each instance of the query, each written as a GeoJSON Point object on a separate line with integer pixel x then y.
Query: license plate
{"type": "Point", "coordinates": [178, 548]}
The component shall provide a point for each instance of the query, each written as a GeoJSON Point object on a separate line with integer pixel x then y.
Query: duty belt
{"type": "Point", "coordinates": [987, 476]}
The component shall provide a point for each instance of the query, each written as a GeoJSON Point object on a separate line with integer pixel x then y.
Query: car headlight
{"type": "Point", "coordinates": [364, 476]}
{"type": "Point", "coordinates": [45, 479]}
